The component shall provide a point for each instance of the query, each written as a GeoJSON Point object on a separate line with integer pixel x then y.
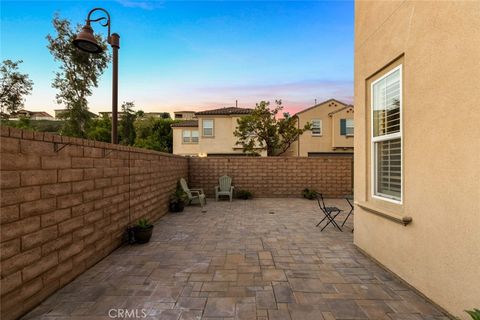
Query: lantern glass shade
{"type": "Point", "coordinates": [85, 41]}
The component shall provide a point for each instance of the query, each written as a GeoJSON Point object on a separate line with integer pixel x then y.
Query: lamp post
{"type": "Point", "coordinates": [85, 41]}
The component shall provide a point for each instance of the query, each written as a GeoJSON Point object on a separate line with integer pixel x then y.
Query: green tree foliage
{"type": "Point", "coordinates": [51, 126]}
{"type": "Point", "coordinates": [13, 87]}
{"type": "Point", "coordinates": [100, 129]}
{"type": "Point", "coordinates": [78, 73]}
{"type": "Point", "coordinates": [165, 115]}
{"type": "Point", "coordinates": [154, 133]}
{"type": "Point", "coordinates": [127, 128]}
{"type": "Point", "coordinates": [262, 130]}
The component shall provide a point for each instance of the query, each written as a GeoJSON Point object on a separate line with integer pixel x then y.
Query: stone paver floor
{"type": "Point", "coordinates": [239, 261]}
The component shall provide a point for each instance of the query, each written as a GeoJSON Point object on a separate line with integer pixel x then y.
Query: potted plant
{"type": "Point", "coordinates": [244, 194]}
{"type": "Point", "coordinates": [178, 200]}
{"type": "Point", "coordinates": [142, 231]}
{"type": "Point", "coordinates": [309, 194]}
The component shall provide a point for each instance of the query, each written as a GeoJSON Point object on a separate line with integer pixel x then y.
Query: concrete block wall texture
{"type": "Point", "coordinates": [275, 176]}
{"type": "Point", "coordinates": [65, 204]}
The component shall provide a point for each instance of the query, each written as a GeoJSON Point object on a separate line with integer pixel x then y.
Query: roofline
{"type": "Point", "coordinates": [222, 114]}
{"type": "Point", "coordinates": [323, 102]}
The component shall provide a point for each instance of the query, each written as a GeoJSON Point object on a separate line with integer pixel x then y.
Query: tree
{"type": "Point", "coordinates": [79, 73]}
{"type": "Point", "coordinates": [154, 133]}
{"type": "Point", "coordinates": [261, 130]}
{"type": "Point", "coordinates": [127, 128]}
{"type": "Point", "coordinates": [14, 86]}
{"type": "Point", "coordinates": [100, 129]}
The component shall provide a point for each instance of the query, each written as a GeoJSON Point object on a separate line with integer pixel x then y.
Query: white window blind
{"type": "Point", "coordinates": [349, 127]}
{"type": "Point", "coordinates": [195, 136]}
{"type": "Point", "coordinates": [387, 136]}
{"type": "Point", "coordinates": [316, 127]}
{"type": "Point", "coordinates": [186, 136]}
{"type": "Point", "coordinates": [207, 127]}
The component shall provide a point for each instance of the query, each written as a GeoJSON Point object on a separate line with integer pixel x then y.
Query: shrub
{"type": "Point", "coordinates": [244, 194]}
{"type": "Point", "coordinates": [475, 313]}
{"type": "Point", "coordinates": [309, 194]}
{"type": "Point", "coordinates": [144, 224]}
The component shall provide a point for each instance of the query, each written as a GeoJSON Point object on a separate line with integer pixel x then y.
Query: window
{"type": "Point", "coordinates": [178, 116]}
{"type": "Point", "coordinates": [195, 136]}
{"type": "Point", "coordinates": [207, 128]}
{"type": "Point", "coordinates": [186, 136]}
{"type": "Point", "coordinates": [316, 127]}
{"type": "Point", "coordinates": [349, 127]}
{"type": "Point", "coordinates": [386, 139]}
{"type": "Point", "coordinates": [190, 136]}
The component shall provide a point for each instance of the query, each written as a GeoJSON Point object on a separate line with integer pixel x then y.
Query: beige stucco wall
{"type": "Point", "coordinates": [222, 142]}
{"type": "Point", "coordinates": [180, 148]}
{"type": "Point", "coordinates": [438, 253]}
{"type": "Point", "coordinates": [345, 142]}
{"type": "Point", "coordinates": [330, 130]}
{"type": "Point", "coordinates": [185, 115]}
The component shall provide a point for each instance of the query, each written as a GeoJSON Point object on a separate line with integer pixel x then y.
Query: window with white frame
{"type": "Point", "coordinates": [349, 127]}
{"type": "Point", "coordinates": [207, 128]}
{"type": "Point", "coordinates": [386, 139]}
{"type": "Point", "coordinates": [190, 136]}
{"type": "Point", "coordinates": [316, 127]}
{"type": "Point", "coordinates": [194, 136]}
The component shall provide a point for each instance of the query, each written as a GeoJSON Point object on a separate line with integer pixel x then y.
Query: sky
{"type": "Point", "coordinates": [196, 55]}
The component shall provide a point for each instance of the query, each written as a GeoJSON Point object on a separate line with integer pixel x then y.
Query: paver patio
{"type": "Point", "coordinates": [239, 261]}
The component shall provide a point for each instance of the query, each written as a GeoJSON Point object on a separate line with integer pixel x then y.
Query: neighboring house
{"type": "Point", "coordinates": [59, 113]}
{"type": "Point", "coordinates": [417, 145]}
{"type": "Point", "coordinates": [145, 114]}
{"type": "Point", "coordinates": [32, 115]}
{"type": "Point", "coordinates": [332, 130]}
{"type": "Point", "coordinates": [211, 134]}
{"type": "Point", "coordinates": [184, 115]}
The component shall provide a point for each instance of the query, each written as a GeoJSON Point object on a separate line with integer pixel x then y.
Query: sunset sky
{"type": "Point", "coordinates": [197, 55]}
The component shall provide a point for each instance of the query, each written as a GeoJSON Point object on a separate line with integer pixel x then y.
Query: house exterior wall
{"type": "Point", "coordinates": [438, 46]}
{"type": "Point", "coordinates": [181, 148]}
{"type": "Point", "coordinates": [223, 140]}
{"type": "Point", "coordinates": [341, 143]}
{"type": "Point", "coordinates": [184, 115]}
{"type": "Point", "coordinates": [325, 143]}
{"type": "Point", "coordinates": [63, 211]}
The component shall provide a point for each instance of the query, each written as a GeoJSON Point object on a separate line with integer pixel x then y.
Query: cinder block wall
{"type": "Point", "coordinates": [65, 203]}
{"type": "Point", "coordinates": [275, 176]}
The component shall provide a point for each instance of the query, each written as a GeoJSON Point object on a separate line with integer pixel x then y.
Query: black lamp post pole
{"type": "Point", "coordinates": [86, 41]}
{"type": "Point", "coordinates": [115, 43]}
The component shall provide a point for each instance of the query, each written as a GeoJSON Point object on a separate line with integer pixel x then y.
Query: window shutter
{"type": "Point", "coordinates": [343, 127]}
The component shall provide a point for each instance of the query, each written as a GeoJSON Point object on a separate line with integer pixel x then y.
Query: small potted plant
{"type": "Point", "coordinates": [142, 231]}
{"type": "Point", "coordinates": [244, 194]}
{"type": "Point", "coordinates": [309, 194]}
{"type": "Point", "coordinates": [178, 200]}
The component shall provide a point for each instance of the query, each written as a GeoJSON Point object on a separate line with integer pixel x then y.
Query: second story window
{"type": "Point", "coordinates": [190, 136]}
{"type": "Point", "coordinates": [346, 127]}
{"type": "Point", "coordinates": [207, 127]}
{"type": "Point", "coordinates": [316, 127]}
{"type": "Point", "coordinates": [186, 136]}
{"type": "Point", "coordinates": [349, 127]}
{"type": "Point", "coordinates": [194, 136]}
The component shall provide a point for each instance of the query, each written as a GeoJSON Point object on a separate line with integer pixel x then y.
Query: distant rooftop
{"type": "Point", "coordinates": [225, 111]}
{"type": "Point", "coordinates": [186, 123]}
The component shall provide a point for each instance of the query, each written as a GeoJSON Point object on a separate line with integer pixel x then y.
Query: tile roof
{"type": "Point", "coordinates": [186, 123]}
{"type": "Point", "coordinates": [225, 111]}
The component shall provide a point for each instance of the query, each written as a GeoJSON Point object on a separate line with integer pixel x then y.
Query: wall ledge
{"type": "Point", "coordinates": [405, 220]}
